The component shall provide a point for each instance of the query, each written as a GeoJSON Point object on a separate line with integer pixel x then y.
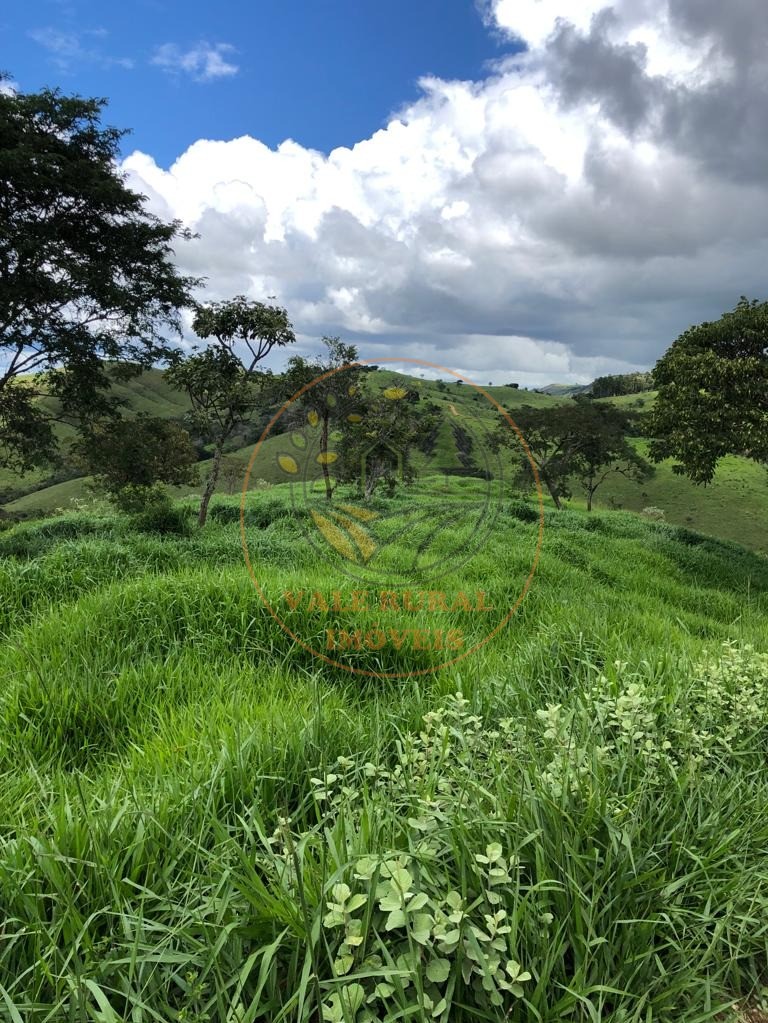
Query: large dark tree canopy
{"type": "Point", "coordinates": [713, 393]}
{"type": "Point", "coordinates": [86, 272]}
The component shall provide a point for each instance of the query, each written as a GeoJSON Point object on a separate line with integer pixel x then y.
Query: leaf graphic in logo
{"type": "Point", "coordinates": [288, 464]}
{"type": "Point", "coordinates": [327, 457]}
{"type": "Point", "coordinates": [365, 542]}
{"type": "Point", "coordinates": [359, 513]}
{"type": "Point", "coordinates": [313, 418]}
{"type": "Point", "coordinates": [334, 536]}
{"type": "Point", "coordinates": [354, 417]}
{"type": "Point", "coordinates": [356, 544]}
{"type": "Point", "coordinates": [395, 393]}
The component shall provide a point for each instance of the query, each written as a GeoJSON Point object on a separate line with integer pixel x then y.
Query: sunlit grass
{"type": "Point", "coordinates": [157, 724]}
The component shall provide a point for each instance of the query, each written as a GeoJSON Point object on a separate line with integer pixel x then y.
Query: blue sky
{"type": "Point", "coordinates": [322, 72]}
{"type": "Point", "coordinates": [567, 185]}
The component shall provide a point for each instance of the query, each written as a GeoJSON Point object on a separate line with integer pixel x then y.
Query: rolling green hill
{"type": "Point", "coordinates": [734, 507]}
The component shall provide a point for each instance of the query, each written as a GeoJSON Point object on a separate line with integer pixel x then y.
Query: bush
{"type": "Point", "coordinates": [522, 511]}
{"type": "Point", "coordinates": [165, 518]}
{"type": "Point", "coordinates": [651, 512]}
{"type": "Point", "coordinates": [225, 513]}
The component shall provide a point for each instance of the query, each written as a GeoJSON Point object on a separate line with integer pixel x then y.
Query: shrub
{"type": "Point", "coordinates": [164, 517]}
{"type": "Point", "coordinates": [522, 511]}
{"type": "Point", "coordinates": [651, 512]}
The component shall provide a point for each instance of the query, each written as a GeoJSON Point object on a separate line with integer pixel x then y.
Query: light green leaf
{"type": "Point", "coordinates": [395, 919]}
{"type": "Point", "coordinates": [341, 892]}
{"type": "Point", "coordinates": [418, 902]}
{"type": "Point", "coordinates": [343, 964]}
{"type": "Point", "coordinates": [493, 852]}
{"type": "Point", "coordinates": [438, 970]}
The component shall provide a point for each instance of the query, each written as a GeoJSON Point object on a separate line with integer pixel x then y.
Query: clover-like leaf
{"type": "Point", "coordinates": [341, 892]}
{"type": "Point", "coordinates": [438, 970]}
{"type": "Point", "coordinates": [395, 919]}
{"type": "Point", "coordinates": [418, 902]}
{"type": "Point", "coordinates": [422, 927]}
{"type": "Point", "coordinates": [343, 964]}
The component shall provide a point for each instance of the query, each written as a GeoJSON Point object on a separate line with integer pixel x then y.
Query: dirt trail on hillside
{"type": "Point", "coordinates": [453, 409]}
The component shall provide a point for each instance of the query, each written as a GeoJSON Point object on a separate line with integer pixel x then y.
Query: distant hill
{"type": "Point", "coordinates": [565, 390]}
{"type": "Point", "coordinates": [733, 507]}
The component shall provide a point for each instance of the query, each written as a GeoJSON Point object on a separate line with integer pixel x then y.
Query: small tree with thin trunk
{"type": "Point", "coordinates": [333, 384]}
{"type": "Point", "coordinates": [223, 396]}
{"type": "Point", "coordinates": [377, 445]}
{"type": "Point", "coordinates": [224, 382]}
{"type": "Point", "coordinates": [605, 450]}
{"type": "Point", "coordinates": [553, 439]}
{"type": "Point", "coordinates": [579, 441]}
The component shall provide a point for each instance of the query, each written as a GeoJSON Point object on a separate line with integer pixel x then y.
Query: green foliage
{"type": "Point", "coordinates": [577, 441]}
{"type": "Point", "coordinates": [713, 393]}
{"type": "Point", "coordinates": [85, 270]}
{"type": "Point", "coordinates": [377, 447]}
{"type": "Point", "coordinates": [242, 322]}
{"type": "Point", "coordinates": [128, 458]}
{"type": "Point", "coordinates": [605, 450]}
{"type": "Point", "coordinates": [221, 393]}
{"type": "Point", "coordinates": [162, 516]}
{"type": "Point", "coordinates": [332, 395]}
{"type": "Point", "coordinates": [620, 384]}
{"type": "Point", "coordinates": [225, 387]}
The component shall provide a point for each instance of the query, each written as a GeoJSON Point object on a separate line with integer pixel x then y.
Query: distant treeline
{"type": "Point", "coordinates": [621, 383]}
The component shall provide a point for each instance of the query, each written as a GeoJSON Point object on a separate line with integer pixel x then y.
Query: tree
{"type": "Point", "coordinates": [377, 445]}
{"type": "Point", "coordinates": [621, 383]}
{"type": "Point", "coordinates": [552, 442]}
{"type": "Point", "coordinates": [713, 393]}
{"type": "Point", "coordinates": [332, 398]}
{"type": "Point", "coordinates": [130, 457]}
{"type": "Point", "coordinates": [579, 442]}
{"type": "Point", "coordinates": [232, 472]}
{"type": "Point", "coordinates": [224, 383]}
{"type": "Point", "coordinates": [605, 450]}
{"type": "Point", "coordinates": [86, 276]}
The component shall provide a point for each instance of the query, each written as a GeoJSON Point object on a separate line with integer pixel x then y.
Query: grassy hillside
{"type": "Point", "coordinates": [732, 508]}
{"type": "Point", "coordinates": [194, 810]}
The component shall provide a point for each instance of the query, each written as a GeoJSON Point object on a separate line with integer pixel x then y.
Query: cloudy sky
{"type": "Point", "coordinates": [530, 190]}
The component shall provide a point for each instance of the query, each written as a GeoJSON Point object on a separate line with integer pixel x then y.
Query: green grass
{"type": "Point", "coordinates": [166, 855]}
{"type": "Point", "coordinates": [733, 507]}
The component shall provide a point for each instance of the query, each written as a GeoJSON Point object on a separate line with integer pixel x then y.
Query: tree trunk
{"type": "Point", "coordinates": [210, 485]}
{"type": "Point", "coordinates": [553, 492]}
{"type": "Point", "coordinates": [324, 453]}
{"type": "Point", "coordinates": [590, 495]}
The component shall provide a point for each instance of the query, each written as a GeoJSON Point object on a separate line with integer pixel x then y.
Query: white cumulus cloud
{"type": "Point", "coordinates": [567, 215]}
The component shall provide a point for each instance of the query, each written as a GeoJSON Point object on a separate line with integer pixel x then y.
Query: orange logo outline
{"type": "Point", "coordinates": [526, 585]}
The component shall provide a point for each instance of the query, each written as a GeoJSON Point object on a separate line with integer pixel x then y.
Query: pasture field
{"type": "Point", "coordinates": [200, 821]}
{"type": "Point", "coordinates": [731, 508]}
